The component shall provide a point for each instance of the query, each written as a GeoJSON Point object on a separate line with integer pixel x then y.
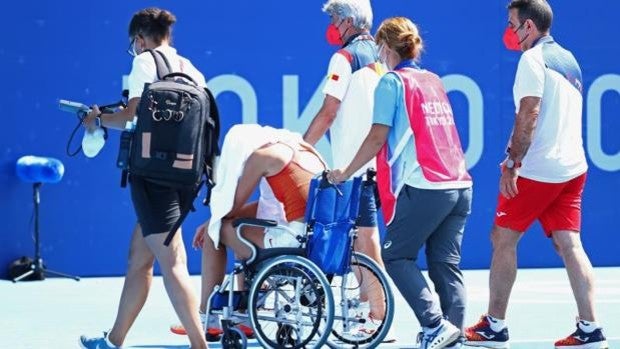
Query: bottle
{"type": "Point", "coordinates": [93, 142]}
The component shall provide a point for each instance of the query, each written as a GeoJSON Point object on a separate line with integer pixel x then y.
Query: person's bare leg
{"type": "Point", "coordinates": [503, 269]}
{"type": "Point", "coordinates": [579, 270]}
{"type": "Point", "coordinates": [172, 261]}
{"type": "Point", "coordinates": [135, 288]}
{"type": "Point", "coordinates": [212, 271]}
{"type": "Point", "coordinates": [367, 242]}
{"type": "Point", "coordinates": [229, 238]}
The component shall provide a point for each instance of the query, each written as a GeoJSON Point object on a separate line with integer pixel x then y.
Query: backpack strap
{"type": "Point", "coordinates": [185, 208]}
{"type": "Point", "coordinates": [214, 121]}
{"type": "Point", "coordinates": [212, 146]}
{"type": "Point", "coordinates": [161, 62]}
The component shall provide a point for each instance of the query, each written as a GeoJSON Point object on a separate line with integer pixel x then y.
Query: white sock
{"type": "Point", "coordinates": [110, 344]}
{"type": "Point", "coordinates": [496, 324]}
{"type": "Point", "coordinates": [587, 326]}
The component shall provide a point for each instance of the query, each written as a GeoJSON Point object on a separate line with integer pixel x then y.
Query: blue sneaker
{"type": "Point", "coordinates": [482, 335]}
{"type": "Point", "coordinates": [440, 336]}
{"type": "Point", "coordinates": [581, 339]}
{"type": "Point", "coordinates": [95, 342]}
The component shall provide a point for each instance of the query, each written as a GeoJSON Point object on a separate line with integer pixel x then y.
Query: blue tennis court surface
{"type": "Point", "coordinates": [55, 312]}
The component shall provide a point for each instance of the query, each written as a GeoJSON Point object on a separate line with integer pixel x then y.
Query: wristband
{"type": "Point", "coordinates": [98, 121]}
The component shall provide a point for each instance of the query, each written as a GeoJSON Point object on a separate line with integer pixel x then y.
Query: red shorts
{"type": "Point", "coordinates": [556, 205]}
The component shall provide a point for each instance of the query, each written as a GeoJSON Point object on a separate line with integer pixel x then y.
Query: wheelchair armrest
{"type": "Point", "coordinates": [254, 221]}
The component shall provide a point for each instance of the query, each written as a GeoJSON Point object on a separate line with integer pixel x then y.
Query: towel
{"type": "Point", "coordinates": [239, 143]}
{"type": "Point", "coordinates": [268, 206]}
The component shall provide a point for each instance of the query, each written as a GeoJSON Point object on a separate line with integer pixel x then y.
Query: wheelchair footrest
{"type": "Point", "coordinates": [220, 300]}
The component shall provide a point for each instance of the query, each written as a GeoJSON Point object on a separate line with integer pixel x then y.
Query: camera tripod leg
{"type": "Point", "coordinates": [56, 273]}
{"type": "Point", "coordinates": [24, 275]}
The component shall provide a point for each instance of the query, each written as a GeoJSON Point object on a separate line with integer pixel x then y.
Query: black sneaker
{"type": "Point", "coordinates": [583, 340]}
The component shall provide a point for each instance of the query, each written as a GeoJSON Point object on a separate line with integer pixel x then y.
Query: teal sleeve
{"type": "Point", "coordinates": [387, 96]}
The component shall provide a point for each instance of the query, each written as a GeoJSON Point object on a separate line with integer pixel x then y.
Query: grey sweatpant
{"type": "Point", "coordinates": [435, 218]}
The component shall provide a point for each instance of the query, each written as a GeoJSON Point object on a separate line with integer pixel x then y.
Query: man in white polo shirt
{"type": "Point", "coordinates": [353, 74]}
{"type": "Point", "coordinates": [543, 176]}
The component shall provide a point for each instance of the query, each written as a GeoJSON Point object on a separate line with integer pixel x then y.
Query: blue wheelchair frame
{"type": "Point", "coordinates": [326, 248]}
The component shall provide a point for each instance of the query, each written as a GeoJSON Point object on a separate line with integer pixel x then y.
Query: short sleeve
{"type": "Point", "coordinates": [143, 71]}
{"type": "Point", "coordinates": [387, 96]}
{"type": "Point", "coordinates": [530, 78]}
{"type": "Point", "coordinates": [338, 76]}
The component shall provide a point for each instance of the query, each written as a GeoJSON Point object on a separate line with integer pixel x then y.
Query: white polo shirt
{"type": "Point", "coordinates": [355, 90]}
{"type": "Point", "coordinates": [144, 70]}
{"type": "Point", "coordinates": [548, 71]}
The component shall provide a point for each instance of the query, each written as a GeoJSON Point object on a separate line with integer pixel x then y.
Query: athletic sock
{"type": "Point", "coordinates": [587, 326]}
{"type": "Point", "coordinates": [110, 344]}
{"type": "Point", "coordinates": [496, 324]}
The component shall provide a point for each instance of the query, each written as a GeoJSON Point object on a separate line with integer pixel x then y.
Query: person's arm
{"type": "Point", "coordinates": [523, 132]}
{"type": "Point", "coordinates": [323, 120]}
{"type": "Point", "coordinates": [386, 96]}
{"type": "Point", "coordinates": [336, 85]}
{"type": "Point", "coordinates": [116, 120]}
{"type": "Point", "coordinates": [373, 142]}
{"type": "Point", "coordinates": [143, 71]}
{"type": "Point", "coordinates": [247, 210]}
{"type": "Point", "coordinates": [528, 90]}
{"type": "Point", "coordinates": [524, 126]}
{"type": "Point", "coordinates": [253, 171]}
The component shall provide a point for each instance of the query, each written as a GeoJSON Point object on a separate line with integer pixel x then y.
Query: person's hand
{"type": "Point", "coordinates": [508, 181]}
{"type": "Point", "coordinates": [199, 237]}
{"type": "Point", "coordinates": [89, 120]}
{"type": "Point", "coordinates": [337, 176]}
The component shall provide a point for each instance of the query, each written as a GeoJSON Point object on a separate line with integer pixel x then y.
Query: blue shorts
{"type": "Point", "coordinates": [368, 206]}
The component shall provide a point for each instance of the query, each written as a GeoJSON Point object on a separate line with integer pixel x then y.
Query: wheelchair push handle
{"type": "Point", "coordinates": [326, 182]}
{"type": "Point", "coordinates": [371, 174]}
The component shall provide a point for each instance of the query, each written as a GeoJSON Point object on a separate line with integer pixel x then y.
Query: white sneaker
{"type": "Point", "coordinates": [440, 336]}
{"type": "Point", "coordinates": [369, 325]}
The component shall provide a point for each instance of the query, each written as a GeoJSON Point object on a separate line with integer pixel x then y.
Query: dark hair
{"type": "Point", "coordinates": [539, 11]}
{"type": "Point", "coordinates": [152, 22]}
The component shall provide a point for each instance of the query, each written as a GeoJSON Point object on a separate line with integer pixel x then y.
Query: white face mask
{"type": "Point", "coordinates": [383, 56]}
{"type": "Point", "coordinates": [132, 48]}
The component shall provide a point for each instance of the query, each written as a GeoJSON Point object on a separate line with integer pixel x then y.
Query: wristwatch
{"type": "Point", "coordinates": [511, 164]}
{"type": "Point", "coordinates": [98, 122]}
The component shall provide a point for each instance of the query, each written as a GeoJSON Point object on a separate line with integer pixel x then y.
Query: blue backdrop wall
{"type": "Point", "coordinates": [265, 61]}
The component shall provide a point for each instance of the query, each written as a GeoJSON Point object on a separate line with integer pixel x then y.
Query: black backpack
{"type": "Point", "coordinates": [176, 137]}
{"type": "Point", "coordinates": [175, 141]}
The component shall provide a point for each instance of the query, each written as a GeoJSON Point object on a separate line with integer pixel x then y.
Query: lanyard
{"type": "Point", "coordinates": [407, 63]}
{"type": "Point", "coordinates": [357, 37]}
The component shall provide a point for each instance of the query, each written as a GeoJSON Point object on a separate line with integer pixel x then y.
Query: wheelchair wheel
{"type": "Point", "coordinates": [364, 305]}
{"type": "Point", "coordinates": [290, 304]}
{"type": "Point", "coordinates": [234, 339]}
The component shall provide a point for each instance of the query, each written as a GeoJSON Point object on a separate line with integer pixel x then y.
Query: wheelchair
{"type": "Point", "coordinates": [313, 295]}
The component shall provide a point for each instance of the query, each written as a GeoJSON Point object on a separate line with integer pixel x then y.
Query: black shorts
{"type": "Point", "coordinates": [158, 207]}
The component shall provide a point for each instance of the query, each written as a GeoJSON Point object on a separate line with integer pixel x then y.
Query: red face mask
{"type": "Point", "coordinates": [333, 35]}
{"type": "Point", "coordinates": [511, 39]}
